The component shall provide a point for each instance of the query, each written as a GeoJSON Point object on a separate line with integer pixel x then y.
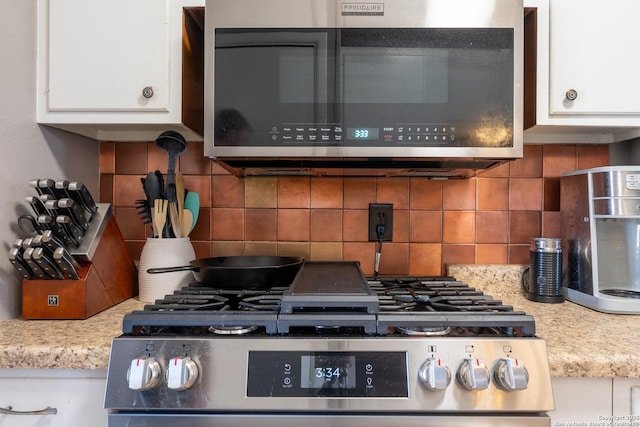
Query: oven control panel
{"type": "Point", "coordinates": [365, 374]}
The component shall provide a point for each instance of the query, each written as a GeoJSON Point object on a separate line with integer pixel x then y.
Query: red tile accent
{"type": "Point", "coordinates": [425, 259]}
{"type": "Point", "coordinates": [523, 226]}
{"type": "Point", "coordinates": [361, 252]}
{"type": "Point", "coordinates": [493, 194]}
{"type": "Point", "coordinates": [193, 161]}
{"type": "Point", "coordinates": [227, 191]}
{"type": "Point", "coordinates": [107, 158]}
{"type": "Point", "coordinates": [294, 192]}
{"type": "Point", "coordinates": [558, 159]}
{"type": "Point", "coordinates": [593, 156]}
{"type": "Point", "coordinates": [458, 254]}
{"type": "Point", "coordinates": [492, 227]}
{"type": "Point", "coordinates": [359, 192]}
{"type": "Point", "coordinates": [260, 224]}
{"type": "Point", "coordinates": [530, 165]}
{"type": "Point", "coordinates": [327, 193]}
{"type": "Point", "coordinates": [393, 190]}
{"type": "Point", "coordinates": [293, 225]}
{"type": "Point", "coordinates": [459, 227]}
{"type": "Point", "coordinates": [525, 194]}
{"type": "Point", "coordinates": [491, 254]}
{"type": "Point", "coordinates": [130, 158]}
{"type": "Point", "coordinates": [425, 226]}
{"type": "Point", "coordinates": [425, 194]}
{"type": "Point", "coordinates": [355, 225]}
{"type": "Point", "coordinates": [227, 224]}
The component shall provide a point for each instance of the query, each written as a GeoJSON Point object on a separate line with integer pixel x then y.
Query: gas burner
{"type": "Point", "coordinates": [231, 330]}
{"type": "Point", "coordinates": [423, 332]}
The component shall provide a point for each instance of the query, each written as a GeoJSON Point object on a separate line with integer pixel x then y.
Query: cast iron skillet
{"type": "Point", "coordinates": [240, 272]}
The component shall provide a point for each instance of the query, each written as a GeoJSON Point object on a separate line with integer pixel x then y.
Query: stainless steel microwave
{"type": "Point", "coordinates": [412, 86]}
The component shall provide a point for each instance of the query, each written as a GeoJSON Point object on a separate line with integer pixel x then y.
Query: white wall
{"type": "Point", "coordinates": [27, 150]}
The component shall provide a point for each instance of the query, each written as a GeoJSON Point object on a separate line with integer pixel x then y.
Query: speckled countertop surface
{"type": "Point", "coordinates": [580, 342]}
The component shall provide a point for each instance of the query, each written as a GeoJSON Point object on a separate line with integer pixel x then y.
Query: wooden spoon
{"type": "Point", "coordinates": [187, 222]}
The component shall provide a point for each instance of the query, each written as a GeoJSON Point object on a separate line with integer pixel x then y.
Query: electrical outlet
{"type": "Point", "coordinates": [380, 214]}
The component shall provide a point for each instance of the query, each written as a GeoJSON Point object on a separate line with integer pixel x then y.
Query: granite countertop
{"type": "Point", "coordinates": [580, 342]}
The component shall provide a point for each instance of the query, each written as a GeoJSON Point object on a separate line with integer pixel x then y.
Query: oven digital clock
{"type": "Point", "coordinates": [362, 133]}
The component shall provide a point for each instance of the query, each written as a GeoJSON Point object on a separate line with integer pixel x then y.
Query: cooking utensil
{"type": "Point", "coordinates": [192, 203]}
{"type": "Point", "coordinates": [176, 225]}
{"type": "Point", "coordinates": [174, 144]}
{"type": "Point", "coordinates": [240, 272]}
{"type": "Point", "coordinates": [81, 194]}
{"type": "Point", "coordinates": [69, 207]}
{"type": "Point", "coordinates": [186, 223]}
{"type": "Point", "coordinates": [15, 258]}
{"type": "Point", "coordinates": [159, 216]}
{"type": "Point", "coordinates": [67, 265]}
{"type": "Point", "coordinates": [38, 273]}
{"type": "Point", "coordinates": [47, 265]}
{"type": "Point", "coordinates": [180, 195]}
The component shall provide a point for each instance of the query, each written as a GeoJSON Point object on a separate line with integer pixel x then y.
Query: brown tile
{"type": "Point", "coordinates": [299, 249]}
{"type": "Point", "coordinates": [260, 224]}
{"type": "Point", "coordinates": [260, 192]}
{"type": "Point", "coordinates": [324, 251]}
{"type": "Point", "coordinates": [364, 253]}
{"type": "Point", "coordinates": [202, 229]}
{"type": "Point", "coordinates": [227, 191]}
{"type": "Point", "coordinates": [425, 226]}
{"type": "Point", "coordinates": [393, 190]}
{"type": "Point", "coordinates": [294, 192]}
{"type": "Point", "coordinates": [293, 225]}
{"type": "Point", "coordinates": [458, 227]}
{"type": "Point", "coordinates": [130, 224]}
{"type": "Point", "coordinates": [202, 249]}
{"type": "Point", "coordinates": [551, 224]}
{"type": "Point", "coordinates": [227, 224]}
{"type": "Point", "coordinates": [218, 169]}
{"type": "Point", "coordinates": [400, 225]}
{"type": "Point", "coordinates": [491, 254]}
{"type": "Point", "coordinates": [525, 194]}
{"type": "Point", "coordinates": [459, 194]}
{"type": "Point", "coordinates": [200, 184]}
{"type": "Point", "coordinates": [325, 225]}
{"type": "Point", "coordinates": [106, 188]}
{"type": "Point", "coordinates": [128, 189]}
{"type": "Point", "coordinates": [558, 159]}
{"type": "Point", "coordinates": [261, 248]}
{"type": "Point", "coordinates": [592, 156]}
{"type": "Point", "coordinates": [355, 225]}
{"type": "Point", "coordinates": [359, 192]}
{"type": "Point", "coordinates": [394, 258]}
{"type": "Point", "coordinates": [493, 193]}
{"type": "Point", "coordinates": [551, 198]}
{"type": "Point", "coordinates": [523, 226]}
{"type": "Point", "coordinates": [226, 248]}
{"type": "Point", "coordinates": [492, 227]}
{"type": "Point", "coordinates": [530, 165]}
{"type": "Point", "coordinates": [425, 194]}
{"type": "Point", "coordinates": [130, 158]}
{"type": "Point", "coordinates": [519, 254]}
{"type": "Point", "coordinates": [501, 171]}
{"type": "Point", "coordinates": [134, 247]}
{"type": "Point", "coordinates": [193, 161]}
{"type": "Point", "coordinates": [425, 259]}
{"type": "Point", "coordinates": [326, 193]}
{"type": "Point", "coordinates": [108, 157]}
{"type": "Point", "coordinates": [458, 254]}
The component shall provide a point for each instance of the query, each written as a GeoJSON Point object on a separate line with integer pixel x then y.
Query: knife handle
{"type": "Point", "coordinates": [48, 266]}
{"type": "Point", "coordinates": [35, 268]}
{"type": "Point", "coordinates": [67, 265]}
{"type": "Point", "coordinates": [15, 258]}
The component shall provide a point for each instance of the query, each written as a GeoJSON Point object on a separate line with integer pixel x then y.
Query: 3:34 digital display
{"type": "Point", "coordinates": [322, 371]}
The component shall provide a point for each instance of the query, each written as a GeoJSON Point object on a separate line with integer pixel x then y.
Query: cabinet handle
{"type": "Point", "coordinates": [46, 411]}
{"type": "Point", "coordinates": [571, 94]}
{"type": "Point", "coordinates": [147, 92]}
{"type": "Point", "coordinates": [635, 400]}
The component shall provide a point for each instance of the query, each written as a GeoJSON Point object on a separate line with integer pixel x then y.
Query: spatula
{"type": "Point", "coordinates": [192, 204]}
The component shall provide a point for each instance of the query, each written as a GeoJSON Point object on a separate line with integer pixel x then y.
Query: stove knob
{"type": "Point", "coordinates": [510, 374]}
{"type": "Point", "coordinates": [143, 374]}
{"type": "Point", "coordinates": [473, 374]}
{"type": "Point", "coordinates": [182, 373]}
{"type": "Point", "coordinates": [434, 374]}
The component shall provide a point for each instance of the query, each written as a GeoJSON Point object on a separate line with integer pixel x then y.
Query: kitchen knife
{"type": "Point", "coordinates": [71, 230]}
{"type": "Point", "coordinates": [81, 194]}
{"type": "Point", "coordinates": [69, 207]}
{"type": "Point", "coordinates": [66, 263]}
{"type": "Point", "coordinates": [34, 184]}
{"type": "Point", "coordinates": [62, 207]}
{"type": "Point", "coordinates": [37, 205]}
{"type": "Point", "coordinates": [46, 222]}
{"type": "Point", "coordinates": [48, 186]}
{"type": "Point", "coordinates": [47, 265]}
{"type": "Point", "coordinates": [50, 241]}
{"type": "Point", "coordinates": [33, 266]}
{"type": "Point", "coordinates": [15, 258]}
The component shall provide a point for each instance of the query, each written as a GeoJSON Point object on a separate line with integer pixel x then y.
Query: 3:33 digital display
{"type": "Point", "coordinates": [363, 133]}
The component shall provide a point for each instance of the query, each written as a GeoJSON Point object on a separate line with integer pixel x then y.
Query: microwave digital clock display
{"type": "Point", "coordinates": [362, 133]}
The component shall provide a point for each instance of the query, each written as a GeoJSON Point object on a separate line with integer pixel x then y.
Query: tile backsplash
{"type": "Point", "coordinates": [484, 220]}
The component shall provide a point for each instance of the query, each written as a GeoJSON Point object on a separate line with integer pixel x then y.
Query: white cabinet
{"type": "Point", "coordinates": [76, 395]}
{"type": "Point", "coordinates": [581, 401]}
{"type": "Point", "coordinates": [626, 400]}
{"type": "Point", "coordinates": [587, 88]}
{"type": "Point", "coordinates": [113, 69]}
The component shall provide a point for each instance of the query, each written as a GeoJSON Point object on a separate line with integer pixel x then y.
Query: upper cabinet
{"type": "Point", "coordinates": [121, 69]}
{"type": "Point", "coordinates": [584, 71]}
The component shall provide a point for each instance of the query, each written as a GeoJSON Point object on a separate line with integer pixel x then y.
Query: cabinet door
{"type": "Point", "coordinates": [626, 399]}
{"type": "Point", "coordinates": [581, 401]}
{"type": "Point", "coordinates": [103, 53]}
{"type": "Point", "coordinates": [594, 53]}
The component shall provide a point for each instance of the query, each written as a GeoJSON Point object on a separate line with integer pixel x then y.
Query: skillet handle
{"type": "Point", "coordinates": [172, 269]}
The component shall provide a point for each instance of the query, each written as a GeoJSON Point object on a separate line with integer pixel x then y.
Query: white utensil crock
{"type": "Point", "coordinates": [157, 253]}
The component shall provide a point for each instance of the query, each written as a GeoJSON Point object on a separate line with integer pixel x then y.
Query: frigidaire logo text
{"type": "Point", "coordinates": [362, 9]}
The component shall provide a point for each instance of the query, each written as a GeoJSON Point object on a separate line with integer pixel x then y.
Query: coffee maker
{"type": "Point", "coordinates": [600, 211]}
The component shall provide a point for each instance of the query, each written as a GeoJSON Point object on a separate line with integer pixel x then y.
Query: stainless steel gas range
{"type": "Point", "coordinates": [332, 349]}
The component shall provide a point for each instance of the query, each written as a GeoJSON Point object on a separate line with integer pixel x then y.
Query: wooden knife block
{"type": "Point", "coordinates": [108, 279]}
